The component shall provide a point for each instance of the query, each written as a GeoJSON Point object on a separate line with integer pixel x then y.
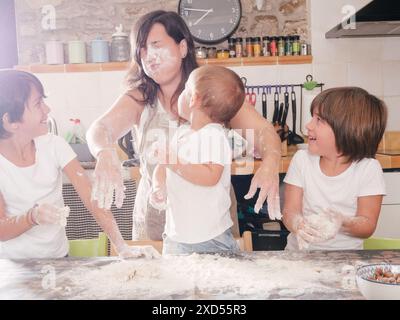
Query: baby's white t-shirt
{"type": "Point", "coordinates": [340, 193]}
{"type": "Point", "coordinates": [196, 213]}
{"type": "Point", "coordinates": [23, 187]}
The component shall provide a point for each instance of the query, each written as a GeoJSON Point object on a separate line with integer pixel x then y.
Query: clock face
{"type": "Point", "coordinates": [211, 21]}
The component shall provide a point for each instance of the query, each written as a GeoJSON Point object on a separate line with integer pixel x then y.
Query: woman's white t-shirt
{"type": "Point", "coordinates": [196, 213]}
{"type": "Point", "coordinates": [23, 187]}
{"type": "Point", "coordinates": [363, 178]}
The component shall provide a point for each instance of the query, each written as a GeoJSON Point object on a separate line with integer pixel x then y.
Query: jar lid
{"type": "Point", "coordinates": [265, 38]}
{"type": "Point", "coordinates": [239, 39]}
{"type": "Point", "coordinates": [257, 39]}
{"type": "Point", "coordinates": [119, 32]}
{"type": "Point", "coordinates": [231, 40]}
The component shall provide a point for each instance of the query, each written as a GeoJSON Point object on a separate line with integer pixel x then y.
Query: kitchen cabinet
{"type": "Point", "coordinates": [81, 223]}
{"type": "Point", "coordinates": [389, 219]}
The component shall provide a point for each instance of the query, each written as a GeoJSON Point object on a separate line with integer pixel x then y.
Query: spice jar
{"type": "Point", "coordinates": [273, 47]}
{"type": "Point", "coordinates": [244, 47]}
{"type": "Point", "coordinates": [257, 46]}
{"type": "Point", "coordinates": [120, 47]}
{"type": "Point", "coordinates": [303, 48]}
{"type": "Point", "coordinates": [296, 45]}
{"type": "Point", "coordinates": [281, 46]}
{"type": "Point", "coordinates": [232, 47]}
{"type": "Point", "coordinates": [266, 47]}
{"type": "Point", "coordinates": [239, 48]}
{"type": "Point", "coordinates": [223, 54]}
{"type": "Point", "coordinates": [201, 52]}
{"type": "Point", "coordinates": [289, 46]}
{"type": "Point", "coordinates": [249, 47]}
{"type": "Point", "coordinates": [211, 52]}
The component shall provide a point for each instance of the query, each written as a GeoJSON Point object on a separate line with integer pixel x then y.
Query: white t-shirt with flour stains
{"type": "Point", "coordinates": [22, 188]}
{"type": "Point", "coordinates": [340, 193]}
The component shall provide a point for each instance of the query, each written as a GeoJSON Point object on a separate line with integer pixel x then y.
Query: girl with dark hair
{"type": "Point", "coordinates": [32, 162]}
{"type": "Point", "coordinates": [163, 58]}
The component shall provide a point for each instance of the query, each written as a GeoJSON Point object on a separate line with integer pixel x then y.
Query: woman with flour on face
{"type": "Point", "coordinates": [163, 54]}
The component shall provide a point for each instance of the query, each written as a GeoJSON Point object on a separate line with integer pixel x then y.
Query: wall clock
{"type": "Point", "coordinates": [211, 21]}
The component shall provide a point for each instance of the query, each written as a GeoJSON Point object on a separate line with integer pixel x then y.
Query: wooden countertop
{"type": "Point", "coordinates": [264, 275]}
{"type": "Point", "coordinates": [250, 166]}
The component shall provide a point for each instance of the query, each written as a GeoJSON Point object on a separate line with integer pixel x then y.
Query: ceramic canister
{"type": "Point", "coordinates": [54, 52]}
{"type": "Point", "coordinates": [77, 51]}
{"type": "Point", "coordinates": [100, 51]}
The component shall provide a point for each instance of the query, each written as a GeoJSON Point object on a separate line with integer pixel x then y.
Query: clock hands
{"type": "Point", "coordinates": [203, 16]}
{"type": "Point", "coordinates": [200, 10]}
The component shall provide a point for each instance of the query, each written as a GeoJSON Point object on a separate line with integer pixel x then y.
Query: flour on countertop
{"type": "Point", "coordinates": [199, 276]}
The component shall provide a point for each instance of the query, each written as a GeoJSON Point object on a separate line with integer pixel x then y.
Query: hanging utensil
{"type": "Point", "coordinates": [264, 104]}
{"type": "Point", "coordinates": [293, 137]}
{"type": "Point", "coordinates": [280, 113]}
{"type": "Point", "coordinates": [276, 107]}
{"type": "Point", "coordinates": [251, 97]}
{"type": "Point", "coordinates": [285, 129]}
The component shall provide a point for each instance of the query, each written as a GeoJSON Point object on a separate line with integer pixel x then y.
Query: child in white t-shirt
{"type": "Point", "coordinates": [334, 190]}
{"type": "Point", "coordinates": [195, 182]}
{"type": "Point", "coordinates": [32, 162]}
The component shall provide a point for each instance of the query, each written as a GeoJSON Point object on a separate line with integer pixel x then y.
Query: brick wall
{"type": "Point", "coordinates": [87, 19]}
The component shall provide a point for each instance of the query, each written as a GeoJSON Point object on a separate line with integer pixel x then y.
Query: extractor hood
{"type": "Point", "coordinates": [379, 18]}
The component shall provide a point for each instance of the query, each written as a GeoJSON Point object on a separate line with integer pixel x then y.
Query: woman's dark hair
{"type": "Point", "coordinates": [357, 118]}
{"type": "Point", "coordinates": [177, 29]}
{"type": "Point", "coordinates": [15, 89]}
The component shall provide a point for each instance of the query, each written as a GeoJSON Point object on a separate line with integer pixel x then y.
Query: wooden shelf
{"type": "Point", "coordinates": [123, 66]}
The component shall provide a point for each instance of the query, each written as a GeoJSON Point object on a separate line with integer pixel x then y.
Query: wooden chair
{"type": "Point", "coordinates": [245, 243]}
{"type": "Point", "coordinates": [89, 247]}
{"type": "Point", "coordinates": [381, 244]}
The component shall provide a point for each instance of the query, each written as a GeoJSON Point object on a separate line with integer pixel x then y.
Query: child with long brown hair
{"type": "Point", "coordinates": [334, 190]}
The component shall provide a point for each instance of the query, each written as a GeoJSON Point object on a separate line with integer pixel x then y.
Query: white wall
{"type": "Point", "coordinates": [370, 63]}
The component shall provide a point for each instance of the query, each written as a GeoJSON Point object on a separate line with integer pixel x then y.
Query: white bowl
{"type": "Point", "coordinates": [376, 290]}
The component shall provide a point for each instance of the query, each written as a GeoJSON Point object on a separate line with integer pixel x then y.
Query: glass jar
{"type": "Point", "coordinates": [223, 54]}
{"type": "Point", "coordinates": [273, 47]}
{"type": "Point", "coordinates": [120, 47]}
{"type": "Point", "coordinates": [249, 47]}
{"type": "Point", "coordinates": [303, 48]}
{"type": "Point", "coordinates": [232, 47]}
{"type": "Point", "coordinates": [266, 47]}
{"type": "Point", "coordinates": [288, 46]}
{"type": "Point", "coordinates": [244, 47]}
{"type": "Point", "coordinates": [212, 53]}
{"type": "Point", "coordinates": [296, 45]}
{"type": "Point", "coordinates": [239, 48]}
{"type": "Point", "coordinates": [201, 52]}
{"type": "Point", "coordinates": [281, 46]}
{"type": "Point", "coordinates": [257, 46]}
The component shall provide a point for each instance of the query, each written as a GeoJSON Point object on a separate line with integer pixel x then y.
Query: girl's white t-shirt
{"type": "Point", "coordinates": [23, 187]}
{"type": "Point", "coordinates": [196, 213]}
{"type": "Point", "coordinates": [340, 193]}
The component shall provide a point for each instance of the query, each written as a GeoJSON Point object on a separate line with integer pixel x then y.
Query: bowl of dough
{"type": "Point", "coordinates": [379, 281]}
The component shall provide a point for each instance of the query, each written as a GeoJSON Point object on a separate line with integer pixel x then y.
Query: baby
{"type": "Point", "coordinates": [195, 178]}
